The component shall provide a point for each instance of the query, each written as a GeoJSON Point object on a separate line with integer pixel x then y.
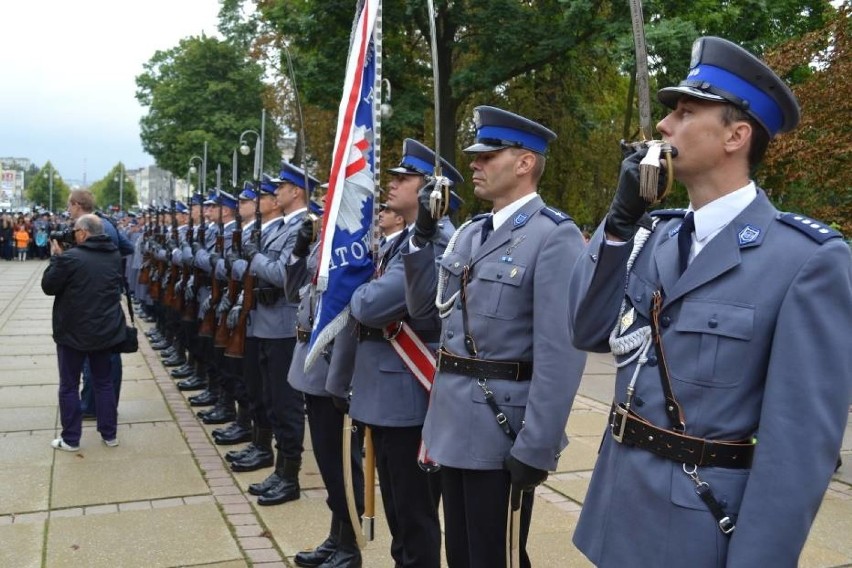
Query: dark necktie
{"type": "Point", "coordinates": [684, 240]}
{"type": "Point", "coordinates": [487, 227]}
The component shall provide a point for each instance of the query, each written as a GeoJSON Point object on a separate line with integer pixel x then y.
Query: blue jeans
{"type": "Point", "coordinates": [87, 396]}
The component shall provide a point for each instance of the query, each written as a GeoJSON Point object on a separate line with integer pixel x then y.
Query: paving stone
{"type": "Point", "coordinates": [20, 545]}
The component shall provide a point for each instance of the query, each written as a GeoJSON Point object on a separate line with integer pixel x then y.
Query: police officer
{"type": "Point", "coordinates": [386, 396]}
{"type": "Point", "coordinates": [197, 378]}
{"type": "Point", "coordinates": [224, 409]}
{"type": "Point", "coordinates": [729, 322]}
{"type": "Point", "coordinates": [506, 373]}
{"type": "Point", "coordinates": [273, 322]}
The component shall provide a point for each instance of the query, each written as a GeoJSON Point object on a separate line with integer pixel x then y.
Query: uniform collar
{"type": "Point", "coordinates": [506, 213]}
{"type": "Point", "coordinates": [714, 216]}
{"type": "Point", "coordinates": [290, 216]}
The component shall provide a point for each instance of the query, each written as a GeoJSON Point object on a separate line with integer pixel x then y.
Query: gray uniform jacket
{"type": "Point", "coordinates": [517, 311]}
{"type": "Point", "coordinates": [384, 392]}
{"type": "Point", "coordinates": [276, 321]}
{"type": "Point", "coordinates": [756, 335]}
{"type": "Point", "coordinates": [299, 288]}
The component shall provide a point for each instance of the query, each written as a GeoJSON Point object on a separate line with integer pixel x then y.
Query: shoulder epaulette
{"type": "Point", "coordinates": [814, 229]}
{"type": "Point", "coordinates": [668, 213]}
{"type": "Point", "coordinates": [555, 215]}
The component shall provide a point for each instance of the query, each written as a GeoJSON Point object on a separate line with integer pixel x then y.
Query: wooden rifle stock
{"type": "Point", "coordinates": [208, 324]}
{"type": "Point", "coordinates": [237, 344]}
{"type": "Point", "coordinates": [223, 334]}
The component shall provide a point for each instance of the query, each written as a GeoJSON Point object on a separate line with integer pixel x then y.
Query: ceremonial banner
{"type": "Point", "coordinates": [345, 261]}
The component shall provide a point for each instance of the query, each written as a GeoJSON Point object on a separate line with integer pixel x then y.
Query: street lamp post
{"type": "Point", "coordinates": [120, 179]}
{"type": "Point", "coordinates": [49, 176]}
{"type": "Point", "coordinates": [245, 150]}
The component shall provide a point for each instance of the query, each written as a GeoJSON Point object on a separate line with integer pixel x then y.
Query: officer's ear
{"type": "Point", "coordinates": [524, 162]}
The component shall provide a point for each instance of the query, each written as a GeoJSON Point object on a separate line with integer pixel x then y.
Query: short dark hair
{"type": "Point", "coordinates": [759, 134]}
{"type": "Point", "coordinates": [83, 198]}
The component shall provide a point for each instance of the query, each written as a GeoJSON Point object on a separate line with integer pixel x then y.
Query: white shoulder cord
{"type": "Point", "coordinates": [445, 308]}
{"type": "Point", "coordinates": [640, 339]}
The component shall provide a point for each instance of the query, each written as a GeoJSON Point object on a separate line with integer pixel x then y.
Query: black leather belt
{"type": "Point", "coordinates": [302, 335]}
{"type": "Point", "coordinates": [484, 369]}
{"type": "Point", "coordinates": [375, 334]}
{"type": "Point", "coordinates": [268, 296]}
{"type": "Point", "coordinates": [629, 428]}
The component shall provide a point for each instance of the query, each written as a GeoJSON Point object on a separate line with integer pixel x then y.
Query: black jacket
{"type": "Point", "coordinates": [86, 281]}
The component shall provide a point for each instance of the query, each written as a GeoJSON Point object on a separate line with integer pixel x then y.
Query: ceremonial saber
{"type": "Point", "coordinates": [649, 168]}
{"type": "Point", "coordinates": [348, 431]}
{"type": "Point", "coordinates": [513, 529]}
{"type": "Point", "coordinates": [439, 199]}
{"type": "Point", "coordinates": [369, 485]}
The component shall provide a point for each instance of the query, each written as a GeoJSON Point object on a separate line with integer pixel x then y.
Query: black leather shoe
{"type": "Point", "coordinates": [148, 319]}
{"type": "Point", "coordinates": [168, 352]}
{"type": "Point", "coordinates": [194, 383]}
{"type": "Point", "coordinates": [206, 398]}
{"type": "Point", "coordinates": [219, 415]}
{"type": "Point", "coordinates": [286, 490]}
{"type": "Point", "coordinates": [235, 455]}
{"type": "Point", "coordinates": [236, 435]}
{"type": "Point", "coordinates": [183, 372]}
{"type": "Point", "coordinates": [253, 461]}
{"type": "Point", "coordinates": [160, 345]}
{"type": "Point", "coordinates": [223, 431]}
{"type": "Point", "coordinates": [152, 332]}
{"type": "Point", "coordinates": [174, 361]}
{"type": "Point", "coordinates": [262, 487]}
{"type": "Point", "coordinates": [315, 557]}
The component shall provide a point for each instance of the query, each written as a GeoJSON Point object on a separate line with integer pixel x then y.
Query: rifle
{"type": "Point", "coordinates": [223, 334]}
{"type": "Point", "coordinates": [191, 307]}
{"type": "Point", "coordinates": [185, 308]}
{"type": "Point", "coordinates": [208, 324]}
{"type": "Point", "coordinates": [237, 344]}
{"type": "Point", "coordinates": [169, 298]}
{"type": "Point", "coordinates": [156, 270]}
{"type": "Point", "coordinates": [144, 275]}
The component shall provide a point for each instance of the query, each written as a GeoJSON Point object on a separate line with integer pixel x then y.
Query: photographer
{"type": "Point", "coordinates": [87, 322]}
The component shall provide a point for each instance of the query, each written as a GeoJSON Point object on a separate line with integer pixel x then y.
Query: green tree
{"type": "Point", "coordinates": [110, 191]}
{"type": "Point", "coordinates": [203, 90]}
{"type": "Point", "coordinates": [38, 188]}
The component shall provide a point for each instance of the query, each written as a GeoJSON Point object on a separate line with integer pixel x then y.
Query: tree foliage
{"type": "Point", "coordinates": [203, 90]}
{"type": "Point", "coordinates": [111, 192]}
{"type": "Point", "coordinates": [38, 188]}
{"type": "Point", "coordinates": [808, 170]}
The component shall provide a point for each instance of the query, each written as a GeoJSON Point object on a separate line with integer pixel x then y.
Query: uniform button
{"type": "Point", "coordinates": [507, 398]}
{"type": "Point", "coordinates": [450, 334]}
{"type": "Point", "coordinates": [713, 323]}
{"type": "Point", "coordinates": [455, 265]}
{"type": "Point", "coordinates": [665, 321]}
{"type": "Point", "coordinates": [639, 298]}
{"type": "Point", "coordinates": [499, 276]}
{"type": "Point", "coordinates": [637, 400]}
{"type": "Point", "coordinates": [458, 305]}
{"type": "Point", "coordinates": [652, 361]}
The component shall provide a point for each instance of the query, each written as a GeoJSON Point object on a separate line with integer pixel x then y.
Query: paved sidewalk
{"type": "Point", "coordinates": [165, 497]}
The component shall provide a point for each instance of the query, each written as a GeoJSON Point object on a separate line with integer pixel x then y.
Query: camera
{"type": "Point", "coordinates": [64, 236]}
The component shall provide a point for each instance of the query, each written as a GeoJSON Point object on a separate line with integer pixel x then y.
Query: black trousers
{"type": "Point", "coordinates": [233, 383]}
{"type": "Point", "coordinates": [327, 439]}
{"type": "Point", "coordinates": [254, 384]}
{"type": "Point", "coordinates": [475, 513]}
{"type": "Point", "coordinates": [410, 497]}
{"type": "Point", "coordinates": [285, 406]}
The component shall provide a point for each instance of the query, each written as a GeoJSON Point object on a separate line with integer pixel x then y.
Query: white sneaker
{"type": "Point", "coordinates": [111, 443]}
{"type": "Point", "coordinates": [60, 444]}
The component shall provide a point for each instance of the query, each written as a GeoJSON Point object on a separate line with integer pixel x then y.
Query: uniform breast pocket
{"type": "Point", "coordinates": [498, 293]}
{"type": "Point", "coordinates": [714, 340]}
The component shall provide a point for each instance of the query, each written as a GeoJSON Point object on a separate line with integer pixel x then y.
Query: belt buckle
{"type": "Point", "coordinates": [623, 412]}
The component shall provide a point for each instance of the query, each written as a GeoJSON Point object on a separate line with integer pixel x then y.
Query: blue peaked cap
{"type": "Point", "coordinates": [197, 199]}
{"type": "Point", "coordinates": [268, 184]}
{"type": "Point", "coordinates": [226, 199]}
{"type": "Point", "coordinates": [497, 129]}
{"type": "Point", "coordinates": [419, 160]}
{"type": "Point", "coordinates": [296, 176]}
{"type": "Point", "coordinates": [722, 71]}
{"type": "Point", "coordinates": [247, 192]}
{"type": "Point", "coordinates": [181, 207]}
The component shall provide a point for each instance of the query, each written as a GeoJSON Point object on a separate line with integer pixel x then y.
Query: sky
{"type": "Point", "coordinates": [67, 77]}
